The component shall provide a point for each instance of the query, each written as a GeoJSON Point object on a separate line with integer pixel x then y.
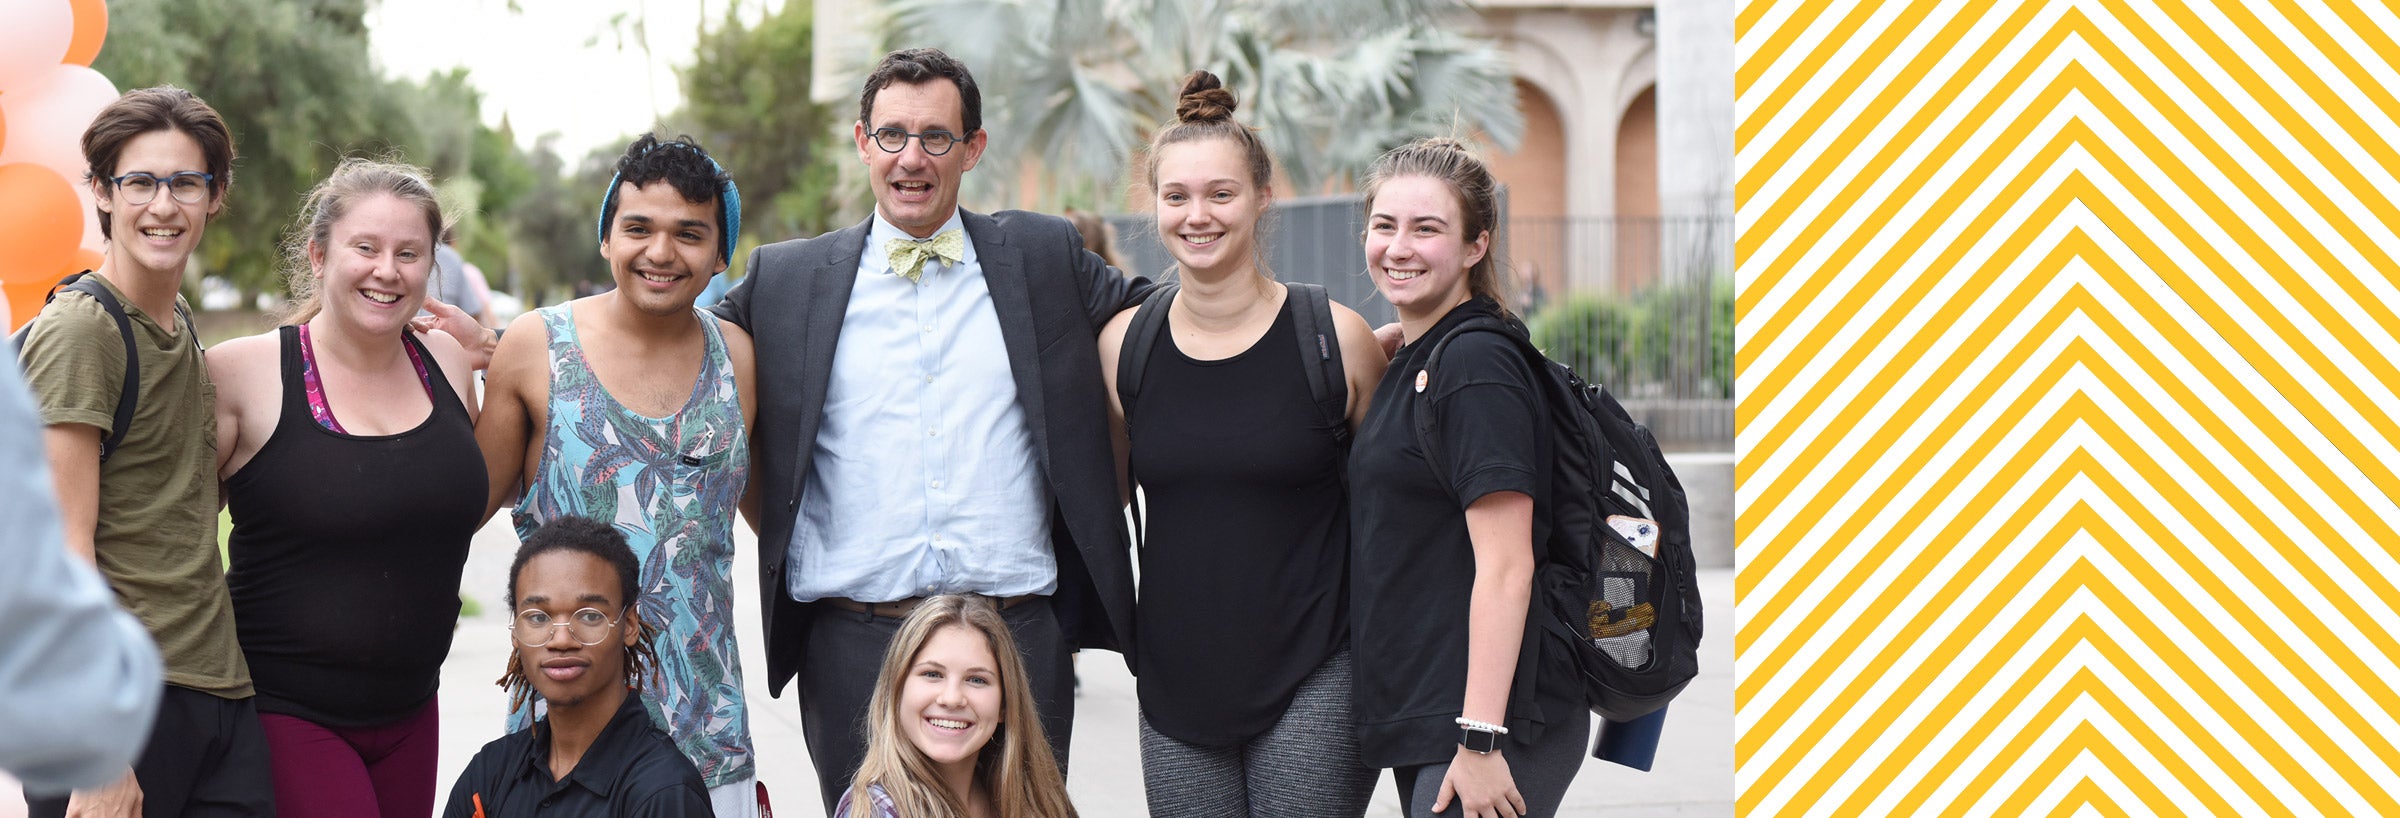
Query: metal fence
{"type": "Point", "coordinates": [1641, 304]}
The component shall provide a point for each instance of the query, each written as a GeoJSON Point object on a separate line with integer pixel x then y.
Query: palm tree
{"type": "Point", "coordinates": [1080, 84]}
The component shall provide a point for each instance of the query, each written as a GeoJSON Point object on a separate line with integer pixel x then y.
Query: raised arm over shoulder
{"type": "Point", "coordinates": [1363, 359]}
{"type": "Point", "coordinates": [735, 306]}
{"type": "Point", "coordinates": [514, 393]}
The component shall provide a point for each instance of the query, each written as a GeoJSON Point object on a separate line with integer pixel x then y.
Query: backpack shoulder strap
{"type": "Point", "coordinates": [131, 392]}
{"type": "Point", "coordinates": [128, 394]}
{"type": "Point", "coordinates": [1141, 336]}
{"type": "Point", "coordinates": [1133, 358]}
{"type": "Point", "coordinates": [1321, 357]}
{"type": "Point", "coordinates": [1426, 422]}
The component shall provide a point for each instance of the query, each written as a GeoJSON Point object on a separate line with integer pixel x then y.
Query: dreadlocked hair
{"type": "Point", "coordinates": [584, 535]}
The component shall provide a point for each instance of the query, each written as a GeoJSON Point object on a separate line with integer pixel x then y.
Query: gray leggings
{"type": "Point", "coordinates": [1306, 765]}
{"type": "Point", "coordinates": [1541, 770]}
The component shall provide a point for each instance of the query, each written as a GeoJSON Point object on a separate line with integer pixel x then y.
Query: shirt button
{"type": "Point", "coordinates": [928, 327]}
{"type": "Point", "coordinates": [937, 484]}
{"type": "Point", "coordinates": [929, 379]}
{"type": "Point", "coordinates": [929, 431]}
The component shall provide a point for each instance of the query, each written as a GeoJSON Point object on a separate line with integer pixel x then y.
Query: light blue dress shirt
{"type": "Point", "coordinates": [923, 478]}
{"type": "Point", "coordinates": [79, 677]}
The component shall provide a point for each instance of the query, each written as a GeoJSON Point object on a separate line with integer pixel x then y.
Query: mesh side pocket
{"type": "Point", "coordinates": [1621, 615]}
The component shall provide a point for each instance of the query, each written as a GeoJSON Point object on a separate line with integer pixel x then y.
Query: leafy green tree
{"type": "Point", "coordinates": [1080, 84]}
{"type": "Point", "coordinates": [555, 245]}
{"type": "Point", "coordinates": [289, 79]}
{"type": "Point", "coordinates": [746, 100]}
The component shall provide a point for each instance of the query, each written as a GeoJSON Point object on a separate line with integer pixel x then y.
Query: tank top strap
{"type": "Point", "coordinates": [719, 360]}
{"type": "Point", "coordinates": [295, 377]}
{"type": "Point", "coordinates": [437, 385]}
{"type": "Point", "coordinates": [716, 373]}
{"type": "Point", "coordinates": [559, 319]}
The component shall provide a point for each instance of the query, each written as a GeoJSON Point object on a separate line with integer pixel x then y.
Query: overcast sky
{"type": "Point", "coordinates": [556, 65]}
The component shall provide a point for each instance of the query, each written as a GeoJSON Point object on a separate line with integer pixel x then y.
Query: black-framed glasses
{"type": "Point", "coordinates": [188, 187]}
{"type": "Point", "coordinates": [935, 143]}
{"type": "Point", "coordinates": [588, 625]}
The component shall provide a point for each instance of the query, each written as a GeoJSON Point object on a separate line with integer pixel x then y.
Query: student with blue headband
{"type": "Point", "coordinates": [634, 408]}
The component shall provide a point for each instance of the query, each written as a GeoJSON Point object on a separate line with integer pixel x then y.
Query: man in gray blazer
{"type": "Point", "coordinates": [930, 420]}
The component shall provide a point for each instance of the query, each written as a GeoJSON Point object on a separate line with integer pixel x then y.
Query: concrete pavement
{"type": "Point", "coordinates": [1693, 775]}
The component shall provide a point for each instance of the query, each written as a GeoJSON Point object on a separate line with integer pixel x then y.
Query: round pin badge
{"type": "Point", "coordinates": [1421, 380]}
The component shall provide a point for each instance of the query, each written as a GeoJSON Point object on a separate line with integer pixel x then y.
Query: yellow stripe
{"type": "Point", "coordinates": [2081, 308]}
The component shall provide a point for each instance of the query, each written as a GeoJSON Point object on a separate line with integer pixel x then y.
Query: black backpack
{"type": "Point", "coordinates": [1618, 587]}
{"type": "Point", "coordinates": [1320, 358]}
{"type": "Point", "coordinates": [129, 395]}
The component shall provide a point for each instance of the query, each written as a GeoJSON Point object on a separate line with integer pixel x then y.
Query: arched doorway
{"type": "Point", "coordinates": [1637, 193]}
{"type": "Point", "coordinates": [1536, 178]}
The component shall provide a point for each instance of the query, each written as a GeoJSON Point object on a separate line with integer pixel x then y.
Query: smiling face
{"type": "Point", "coordinates": [950, 702]}
{"type": "Point", "coordinates": [372, 268]}
{"type": "Point", "coordinates": [914, 190]}
{"type": "Point", "coordinates": [1207, 209]}
{"type": "Point", "coordinates": [568, 673]}
{"type": "Point", "coordinates": [155, 238]}
{"type": "Point", "coordinates": [1416, 249]}
{"type": "Point", "coordinates": [661, 248]}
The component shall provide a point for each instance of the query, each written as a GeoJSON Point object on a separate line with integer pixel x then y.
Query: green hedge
{"type": "Point", "coordinates": [1666, 342]}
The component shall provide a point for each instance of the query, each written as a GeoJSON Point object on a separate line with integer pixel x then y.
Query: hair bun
{"type": "Point", "coordinates": [1204, 99]}
{"type": "Point", "coordinates": [1447, 143]}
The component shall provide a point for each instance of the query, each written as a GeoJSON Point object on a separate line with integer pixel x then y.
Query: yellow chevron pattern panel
{"type": "Point", "coordinates": [2067, 342]}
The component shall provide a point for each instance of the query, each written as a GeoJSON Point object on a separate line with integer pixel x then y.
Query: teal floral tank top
{"type": "Point", "coordinates": [670, 485]}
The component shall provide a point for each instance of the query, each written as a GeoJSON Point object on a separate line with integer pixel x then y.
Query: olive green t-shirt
{"type": "Point", "coordinates": [157, 536]}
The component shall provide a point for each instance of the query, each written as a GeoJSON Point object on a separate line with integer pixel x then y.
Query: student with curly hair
{"type": "Point", "coordinates": [633, 407]}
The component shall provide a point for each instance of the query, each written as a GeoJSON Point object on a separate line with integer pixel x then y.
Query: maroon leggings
{"type": "Point", "coordinates": [386, 769]}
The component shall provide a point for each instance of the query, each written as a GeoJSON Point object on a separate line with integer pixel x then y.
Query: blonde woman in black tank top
{"type": "Point", "coordinates": [346, 446]}
{"type": "Point", "coordinates": [1242, 623]}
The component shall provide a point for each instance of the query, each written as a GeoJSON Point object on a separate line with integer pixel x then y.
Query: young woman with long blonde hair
{"type": "Point", "coordinates": [951, 730]}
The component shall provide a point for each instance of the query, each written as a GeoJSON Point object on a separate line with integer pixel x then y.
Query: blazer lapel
{"type": "Point", "coordinates": [1012, 299]}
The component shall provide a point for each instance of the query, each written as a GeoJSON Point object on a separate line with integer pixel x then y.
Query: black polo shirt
{"type": "Point", "coordinates": [1412, 567]}
{"type": "Point", "coordinates": [630, 771]}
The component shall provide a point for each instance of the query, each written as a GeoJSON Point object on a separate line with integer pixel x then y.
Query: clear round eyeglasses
{"type": "Point", "coordinates": [588, 626]}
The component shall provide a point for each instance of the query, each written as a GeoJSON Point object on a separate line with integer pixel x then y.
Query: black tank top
{"type": "Point", "coordinates": [346, 555]}
{"type": "Point", "coordinates": [1243, 577]}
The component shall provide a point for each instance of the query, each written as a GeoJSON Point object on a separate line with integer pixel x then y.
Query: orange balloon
{"type": "Point", "coordinates": [3, 129]}
{"type": "Point", "coordinates": [24, 300]}
{"type": "Point", "coordinates": [43, 226]}
{"type": "Point", "coordinates": [84, 260]}
{"type": "Point", "coordinates": [91, 26]}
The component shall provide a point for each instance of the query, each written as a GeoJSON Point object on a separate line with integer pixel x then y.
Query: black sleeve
{"type": "Point", "coordinates": [1108, 290]}
{"type": "Point", "coordinates": [685, 800]}
{"type": "Point", "coordinates": [1488, 418]}
{"type": "Point", "coordinates": [462, 794]}
{"type": "Point", "coordinates": [735, 306]}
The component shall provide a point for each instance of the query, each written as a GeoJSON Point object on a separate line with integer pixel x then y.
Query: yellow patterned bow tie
{"type": "Point", "coordinates": [908, 255]}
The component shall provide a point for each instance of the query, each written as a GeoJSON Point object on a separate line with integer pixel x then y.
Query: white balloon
{"type": "Point", "coordinates": [48, 114]}
{"type": "Point", "coordinates": [35, 38]}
